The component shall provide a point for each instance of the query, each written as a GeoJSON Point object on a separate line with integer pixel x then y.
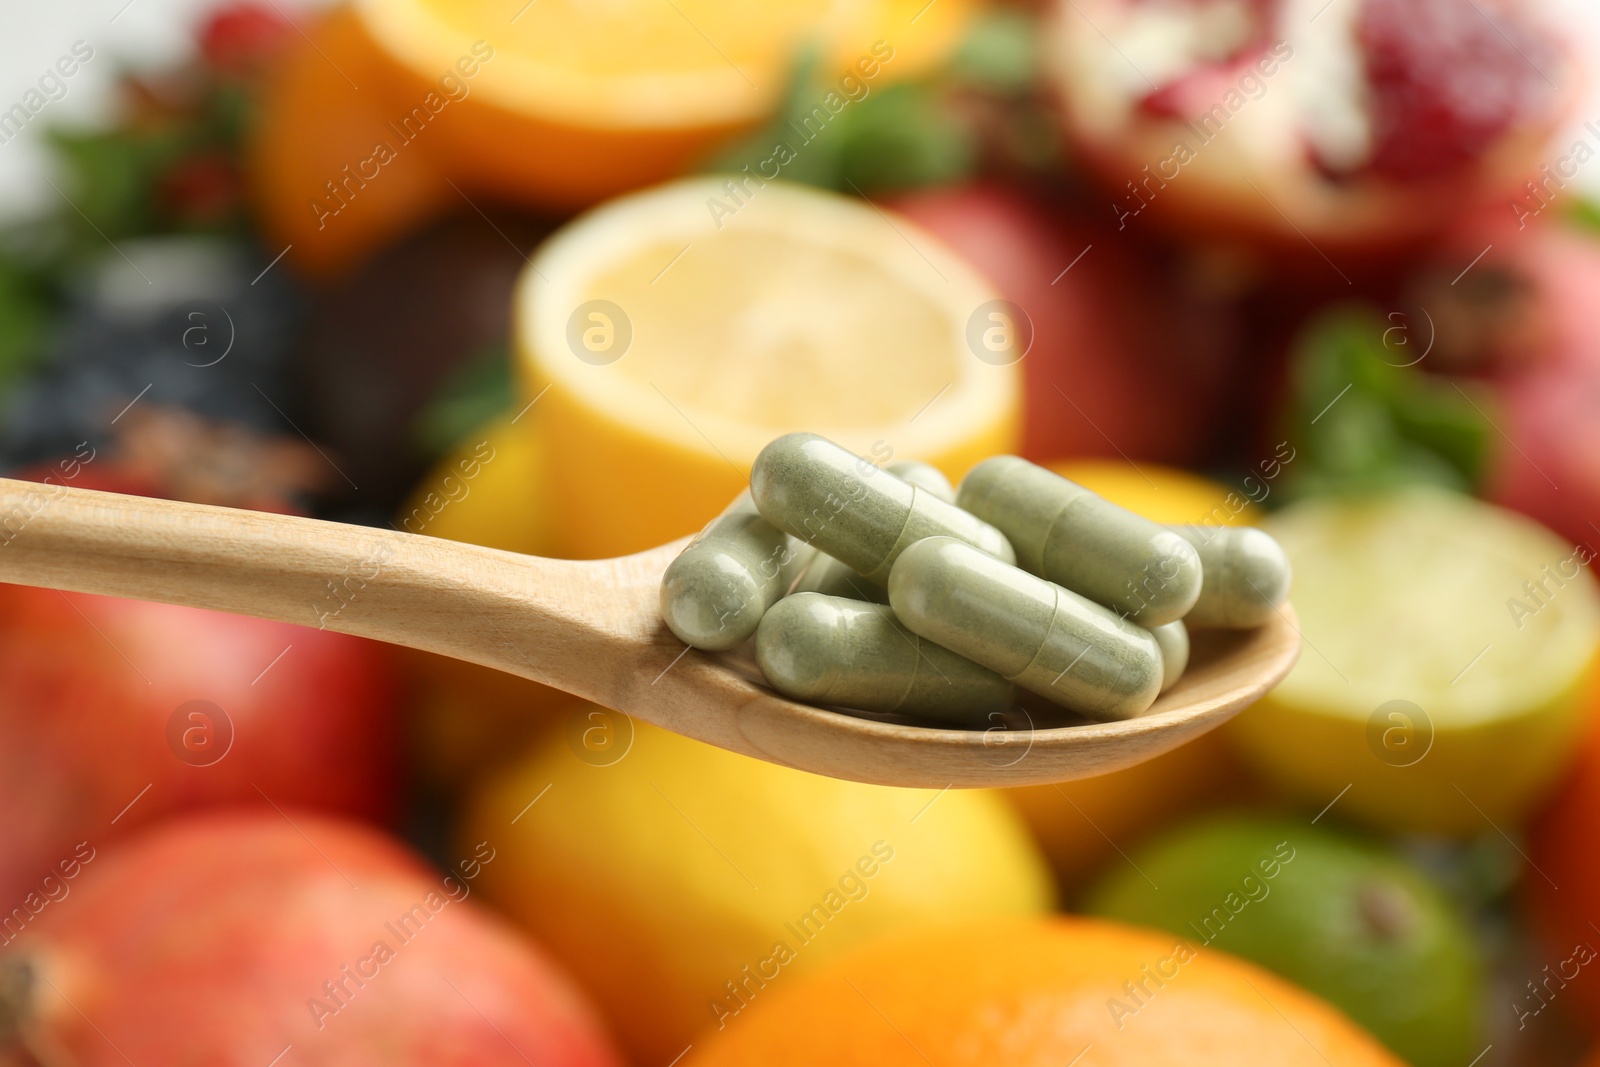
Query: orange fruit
{"type": "Point", "coordinates": [1030, 993]}
{"type": "Point", "coordinates": [308, 150]}
{"type": "Point", "coordinates": [676, 341]}
{"type": "Point", "coordinates": [554, 103]}
{"type": "Point", "coordinates": [1562, 892]}
{"type": "Point", "coordinates": [1082, 824]}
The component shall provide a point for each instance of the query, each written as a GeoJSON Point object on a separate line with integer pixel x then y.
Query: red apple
{"type": "Point", "coordinates": [252, 939]}
{"type": "Point", "coordinates": [117, 712]}
{"type": "Point", "coordinates": [1126, 360]}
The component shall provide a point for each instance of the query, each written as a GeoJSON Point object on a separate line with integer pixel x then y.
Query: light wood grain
{"type": "Point", "coordinates": [591, 628]}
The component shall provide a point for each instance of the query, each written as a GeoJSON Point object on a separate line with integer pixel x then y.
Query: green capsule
{"type": "Point", "coordinates": [923, 476]}
{"type": "Point", "coordinates": [714, 593]}
{"type": "Point", "coordinates": [821, 573]}
{"type": "Point", "coordinates": [826, 575]}
{"type": "Point", "coordinates": [1173, 637]}
{"type": "Point", "coordinates": [838, 502]}
{"type": "Point", "coordinates": [1038, 635]}
{"type": "Point", "coordinates": [1247, 575]}
{"type": "Point", "coordinates": [834, 650]}
{"type": "Point", "coordinates": [1078, 539]}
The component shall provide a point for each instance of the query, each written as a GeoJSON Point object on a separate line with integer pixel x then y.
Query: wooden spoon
{"type": "Point", "coordinates": [590, 627]}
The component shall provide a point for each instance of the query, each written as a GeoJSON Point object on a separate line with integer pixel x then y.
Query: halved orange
{"type": "Point", "coordinates": [548, 103]}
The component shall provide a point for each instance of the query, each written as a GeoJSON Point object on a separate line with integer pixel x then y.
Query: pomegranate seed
{"type": "Point", "coordinates": [1446, 82]}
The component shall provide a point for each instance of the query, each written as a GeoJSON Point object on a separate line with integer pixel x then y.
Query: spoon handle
{"type": "Point", "coordinates": [496, 608]}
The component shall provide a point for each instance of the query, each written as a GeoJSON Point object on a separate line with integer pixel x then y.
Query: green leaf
{"type": "Point", "coordinates": [868, 136]}
{"type": "Point", "coordinates": [27, 312]}
{"type": "Point", "coordinates": [474, 393]}
{"type": "Point", "coordinates": [1365, 420]}
{"type": "Point", "coordinates": [999, 54]}
{"type": "Point", "coordinates": [1584, 213]}
{"type": "Point", "coordinates": [903, 137]}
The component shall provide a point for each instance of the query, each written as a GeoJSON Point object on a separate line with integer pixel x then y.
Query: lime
{"type": "Point", "coordinates": [1446, 660]}
{"type": "Point", "coordinates": [1331, 912]}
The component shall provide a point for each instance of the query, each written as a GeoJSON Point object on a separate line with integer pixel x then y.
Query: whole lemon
{"type": "Point", "coordinates": [681, 883]}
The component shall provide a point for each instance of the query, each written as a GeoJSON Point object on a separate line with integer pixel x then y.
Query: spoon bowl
{"type": "Point", "coordinates": [589, 627]}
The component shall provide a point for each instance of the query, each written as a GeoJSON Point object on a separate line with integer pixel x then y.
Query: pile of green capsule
{"type": "Point", "coordinates": [885, 590]}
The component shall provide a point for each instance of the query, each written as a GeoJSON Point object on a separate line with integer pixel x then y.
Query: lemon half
{"type": "Point", "coordinates": [670, 335]}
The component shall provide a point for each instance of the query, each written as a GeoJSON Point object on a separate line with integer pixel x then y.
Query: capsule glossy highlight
{"type": "Point", "coordinates": [1075, 538]}
{"type": "Point", "coordinates": [1247, 575]}
{"type": "Point", "coordinates": [1034, 633]}
{"type": "Point", "coordinates": [714, 593]}
{"type": "Point", "coordinates": [863, 516]}
{"type": "Point", "coordinates": [1173, 639]}
{"type": "Point", "coordinates": [834, 650]}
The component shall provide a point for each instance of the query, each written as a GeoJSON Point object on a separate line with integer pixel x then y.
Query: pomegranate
{"type": "Point", "coordinates": [116, 712]}
{"type": "Point", "coordinates": [1328, 134]}
{"type": "Point", "coordinates": [259, 938]}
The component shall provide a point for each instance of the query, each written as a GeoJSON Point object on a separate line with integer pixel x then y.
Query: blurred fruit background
{"type": "Point", "coordinates": [543, 275]}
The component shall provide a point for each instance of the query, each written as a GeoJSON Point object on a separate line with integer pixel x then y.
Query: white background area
{"type": "Point", "coordinates": [34, 33]}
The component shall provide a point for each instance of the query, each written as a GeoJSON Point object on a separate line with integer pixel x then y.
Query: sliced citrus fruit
{"type": "Point", "coordinates": [313, 155]}
{"type": "Point", "coordinates": [553, 103]}
{"type": "Point", "coordinates": [679, 330]}
{"type": "Point", "coordinates": [1083, 824]}
{"type": "Point", "coordinates": [1448, 648]}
